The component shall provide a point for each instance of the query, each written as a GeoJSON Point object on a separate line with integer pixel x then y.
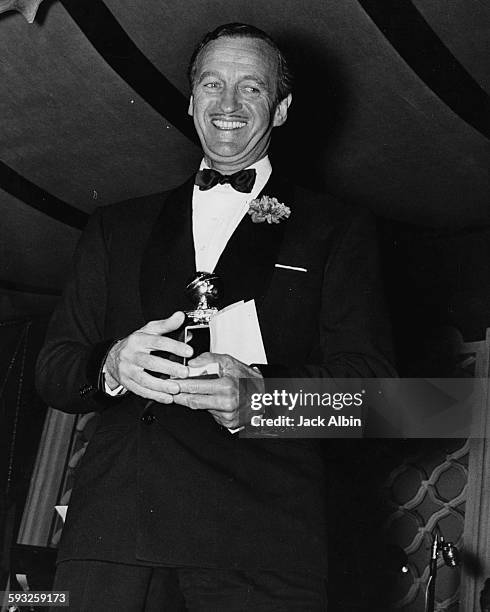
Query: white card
{"type": "Point", "coordinates": [235, 331]}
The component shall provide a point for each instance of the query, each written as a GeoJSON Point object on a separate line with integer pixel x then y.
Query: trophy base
{"type": "Point", "coordinates": [198, 337]}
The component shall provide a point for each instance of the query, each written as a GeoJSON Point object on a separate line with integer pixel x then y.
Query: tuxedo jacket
{"type": "Point", "coordinates": [166, 485]}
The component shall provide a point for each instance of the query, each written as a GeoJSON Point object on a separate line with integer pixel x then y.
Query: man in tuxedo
{"type": "Point", "coordinates": [172, 510]}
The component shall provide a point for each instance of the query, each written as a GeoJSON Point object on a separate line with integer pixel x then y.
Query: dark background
{"type": "Point", "coordinates": [391, 112]}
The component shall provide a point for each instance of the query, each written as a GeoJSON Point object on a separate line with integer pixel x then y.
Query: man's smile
{"type": "Point", "coordinates": [228, 124]}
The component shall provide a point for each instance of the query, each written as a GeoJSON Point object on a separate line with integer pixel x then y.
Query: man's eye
{"type": "Point", "coordinates": [251, 89]}
{"type": "Point", "coordinates": [212, 85]}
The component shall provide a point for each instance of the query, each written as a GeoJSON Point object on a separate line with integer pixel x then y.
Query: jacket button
{"type": "Point", "coordinates": [148, 418]}
{"type": "Point", "coordinates": [85, 390]}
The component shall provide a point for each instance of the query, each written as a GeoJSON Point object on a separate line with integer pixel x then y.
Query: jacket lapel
{"type": "Point", "coordinates": [247, 263]}
{"type": "Point", "coordinates": [169, 260]}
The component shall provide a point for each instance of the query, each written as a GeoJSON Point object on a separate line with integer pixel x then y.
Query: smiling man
{"type": "Point", "coordinates": [171, 510]}
{"type": "Point", "coordinates": [235, 101]}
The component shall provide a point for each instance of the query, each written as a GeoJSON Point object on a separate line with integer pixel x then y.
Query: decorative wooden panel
{"type": "Point", "coordinates": [445, 486]}
{"type": "Point", "coordinates": [426, 491]}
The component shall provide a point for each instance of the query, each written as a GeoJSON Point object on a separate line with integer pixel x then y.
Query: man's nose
{"type": "Point", "coordinates": [229, 100]}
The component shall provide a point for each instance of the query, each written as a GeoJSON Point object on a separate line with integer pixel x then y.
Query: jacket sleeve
{"type": "Point", "coordinates": [68, 371]}
{"type": "Point", "coordinates": [354, 327]}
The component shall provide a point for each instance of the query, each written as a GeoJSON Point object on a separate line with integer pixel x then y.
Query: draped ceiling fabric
{"type": "Point", "coordinates": [392, 111]}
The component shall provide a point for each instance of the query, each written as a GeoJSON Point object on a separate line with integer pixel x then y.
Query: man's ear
{"type": "Point", "coordinates": [281, 112]}
{"type": "Point", "coordinates": [190, 110]}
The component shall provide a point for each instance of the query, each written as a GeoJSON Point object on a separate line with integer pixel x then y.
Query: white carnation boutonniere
{"type": "Point", "coordinates": [268, 209]}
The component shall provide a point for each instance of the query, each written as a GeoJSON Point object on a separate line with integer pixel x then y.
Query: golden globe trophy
{"type": "Point", "coordinates": [204, 291]}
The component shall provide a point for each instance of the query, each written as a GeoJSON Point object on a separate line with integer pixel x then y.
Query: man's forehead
{"type": "Point", "coordinates": [241, 53]}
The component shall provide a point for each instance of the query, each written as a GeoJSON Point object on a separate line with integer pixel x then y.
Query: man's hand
{"type": "Point", "coordinates": [219, 396]}
{"type": "Point", "coordinates": [128, 359]}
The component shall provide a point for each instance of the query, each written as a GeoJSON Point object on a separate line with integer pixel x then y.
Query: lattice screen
{"type": "Point", "coordinates": [426, 490]}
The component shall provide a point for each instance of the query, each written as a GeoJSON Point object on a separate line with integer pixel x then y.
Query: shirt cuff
{"type": "Point", "coordinates": [236, 430]}
{"type": "Point", "coordinates": [120, 390]}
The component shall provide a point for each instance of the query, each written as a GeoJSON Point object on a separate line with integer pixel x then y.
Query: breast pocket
{"type": "Point", "coordinates": [295, 282]}
{"type": "Point", "coordinates": [290, 314]}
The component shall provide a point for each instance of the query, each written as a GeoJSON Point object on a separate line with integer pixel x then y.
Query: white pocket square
{"type": "Point", "coordinates": [296, 268]}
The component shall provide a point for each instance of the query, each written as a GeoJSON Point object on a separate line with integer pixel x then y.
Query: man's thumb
{"type": "Point", "coordinates": [164, 326]}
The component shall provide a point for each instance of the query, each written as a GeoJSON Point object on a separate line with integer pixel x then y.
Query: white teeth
{"type": "Point", "coordinates": [228, 125]}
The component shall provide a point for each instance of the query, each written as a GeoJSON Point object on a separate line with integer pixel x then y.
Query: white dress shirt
{"type": "Point", "coordinates": [216, 213]}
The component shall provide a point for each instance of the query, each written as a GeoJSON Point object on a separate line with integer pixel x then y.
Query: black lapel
{"type": "Point", "coordinates": [169, 260]}
{"type": "Point", "coordinates": [247, 263]}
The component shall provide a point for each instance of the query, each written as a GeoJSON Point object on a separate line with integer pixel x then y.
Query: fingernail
{"type": "Point", "coordinates": [189, 350]}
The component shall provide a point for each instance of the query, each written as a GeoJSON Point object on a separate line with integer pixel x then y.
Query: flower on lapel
{"type": "Point", "coordinates": [268, 209]}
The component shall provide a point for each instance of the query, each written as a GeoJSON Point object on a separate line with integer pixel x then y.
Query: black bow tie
{"type": "Point", "coordinates": [242, 181]}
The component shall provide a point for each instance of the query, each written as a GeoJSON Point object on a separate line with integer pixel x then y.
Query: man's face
{"type": "Point", "coordinates": [232, 101]}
